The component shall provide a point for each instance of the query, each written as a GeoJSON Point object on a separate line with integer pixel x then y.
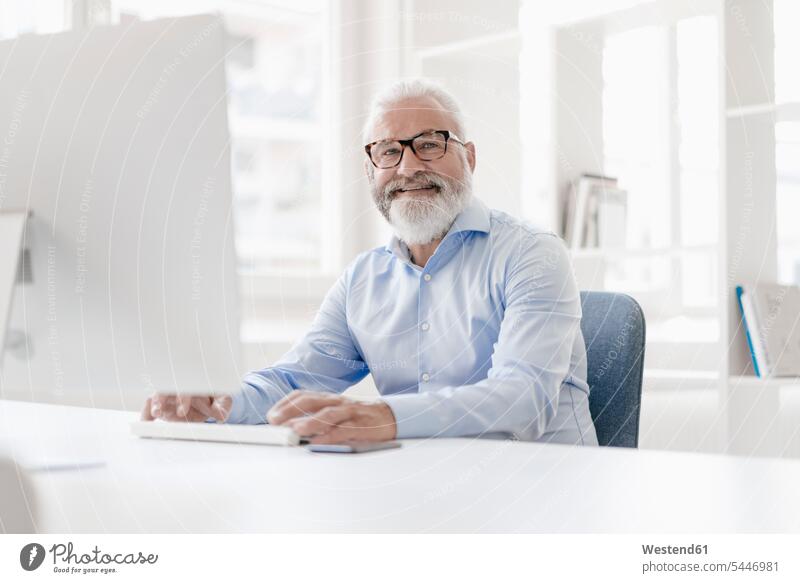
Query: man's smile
{"type": "Point", "coordinates": [417, 190]}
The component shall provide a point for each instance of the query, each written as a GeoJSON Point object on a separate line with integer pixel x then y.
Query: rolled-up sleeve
{"type": "Point", "coordinates": [530, 361]}
{"type": "Point", "coordinates": [325, 359]}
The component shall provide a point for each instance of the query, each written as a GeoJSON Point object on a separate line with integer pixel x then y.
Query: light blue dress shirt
{"type": "Point", "coordinates": [484, 339]}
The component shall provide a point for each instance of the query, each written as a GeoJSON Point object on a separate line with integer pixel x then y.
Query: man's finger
{"type": "Point", "coordinates": [221, 407]}
{"type": "Point", "coordinates": [162, 405]}
{"type": "Point", "coordinates": [342, 433]}
{"type": "Point", "coordinates": [156, 406]}
{"type": "Point", "coordinates": [196, 416]}
{"type": "Point", "coordinates": [293, 397]}
{"type": "Point", "coordinates": [306, 403]}
{"type": "Point", "coordinates": [202, 405]}
{"type": "Point", "coordinates": [192, 416]}
{"type": "Point", "coordinates": [147, 414]}
{"type": "Point", "coordinates": [184, 405]}
{"type": "Point", "coordinates": [188, 407]}
{"type": "Point", "coordinates": [323, 421]}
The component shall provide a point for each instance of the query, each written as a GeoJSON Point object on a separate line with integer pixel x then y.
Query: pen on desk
{"type": "Point", "coordinates": [64, 466]}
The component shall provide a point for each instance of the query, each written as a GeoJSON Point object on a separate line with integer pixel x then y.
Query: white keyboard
{"type": "Point", "coordinates": [258, 434]}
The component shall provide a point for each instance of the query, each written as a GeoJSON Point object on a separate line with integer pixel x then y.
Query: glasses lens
{"type": "Point", "coordinates": [386, 154]}
{"type": "Point", "coordinates": [430, 146]}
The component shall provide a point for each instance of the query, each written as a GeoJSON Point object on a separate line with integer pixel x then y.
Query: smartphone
{"type": "Point", "coordinates": [352, 446]}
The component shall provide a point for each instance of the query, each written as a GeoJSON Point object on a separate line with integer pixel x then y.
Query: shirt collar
{"type": "Point", "coordinates": [474, 217]}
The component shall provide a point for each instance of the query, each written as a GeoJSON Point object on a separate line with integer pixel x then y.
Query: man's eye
{"type": "Point", "coordinates": [429, 146]}
{"type": "Point", "coordinates": [390, 152]}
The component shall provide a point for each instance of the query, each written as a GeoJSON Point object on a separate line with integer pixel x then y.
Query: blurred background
{"type": "Point", "coordinates": [691, 109]}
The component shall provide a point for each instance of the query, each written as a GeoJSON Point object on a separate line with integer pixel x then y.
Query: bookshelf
{"type": "Point", "coordinates": [565, 58]}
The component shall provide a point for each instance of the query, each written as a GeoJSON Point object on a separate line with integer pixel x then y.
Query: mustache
{"type": "Point", "coordinates": [418, 180]}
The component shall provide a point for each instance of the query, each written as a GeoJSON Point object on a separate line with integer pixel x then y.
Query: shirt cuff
{"type": "Point", "coordinates": [416, 415]}
{"type": "Point", "coordinates": [239, 408]}
{"type": "Point", "coordinates": [238, 412]}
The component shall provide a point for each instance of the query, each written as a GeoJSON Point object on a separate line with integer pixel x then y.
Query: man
{"type": "Point", "coordinates": [468, 319]}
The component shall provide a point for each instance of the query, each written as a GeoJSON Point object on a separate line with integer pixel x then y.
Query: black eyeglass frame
{"type": "Point", "coordinates": [410, 143]}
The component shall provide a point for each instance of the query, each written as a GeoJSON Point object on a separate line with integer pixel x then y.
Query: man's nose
{"type": "Point", "coordinates": [409, 163]}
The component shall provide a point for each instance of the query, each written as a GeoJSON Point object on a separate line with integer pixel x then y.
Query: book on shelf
{"type": "Point", "coordinates": [595, 213]}
{"type": "Point", "coordinates": [771, 317]}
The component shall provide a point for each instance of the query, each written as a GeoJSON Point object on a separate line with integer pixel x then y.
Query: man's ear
{"type": "Point", "coordinates": [470, 148]}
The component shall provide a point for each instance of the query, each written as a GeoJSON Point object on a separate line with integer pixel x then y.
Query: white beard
{"type": "Point", "coordinates": [422, 219]}
{"type": "Point", "coordinates": [417, 221]}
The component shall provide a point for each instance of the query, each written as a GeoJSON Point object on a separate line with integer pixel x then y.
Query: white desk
{"type": "Point", "coordinates": [446, 485]}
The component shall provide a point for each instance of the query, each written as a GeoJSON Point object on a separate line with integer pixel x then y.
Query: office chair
{"type": "Point", "coordinates": [613, 328]}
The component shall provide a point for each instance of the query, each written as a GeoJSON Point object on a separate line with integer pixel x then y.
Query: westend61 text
{"type": "Point", "coordinates": [671, 550]}
{"type": "Point", "coordinates": [97, 557]}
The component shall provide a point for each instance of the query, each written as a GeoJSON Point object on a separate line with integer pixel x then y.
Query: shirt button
{"type": "Point", "coordinates": [425, 326]}
{"type": "Point", "coordinates": [426, 377]}
{"type": "Point", "coordinates": [427, 277]}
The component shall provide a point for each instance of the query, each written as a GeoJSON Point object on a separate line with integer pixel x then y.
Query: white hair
{"type": "Point", "coordinates": [411, 89]}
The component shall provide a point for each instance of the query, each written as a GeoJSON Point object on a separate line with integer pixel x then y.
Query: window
{"type": "Point", "coordinates": [787, 47]}
{"type": "Point", "coordinates": [660, 133]}
{"type": "Point", "coordinates": [787, 140]}
{"type": "Point", "coordinates": [698, 164]}
{"type": "Point", "coordinates": [635, 140]}
{"type": "Point", "coordinates": [32, 16]}
{"type": "Point", "coordinates": [277, 117]}
{"type": "Point", "coordinates": [787, 155]}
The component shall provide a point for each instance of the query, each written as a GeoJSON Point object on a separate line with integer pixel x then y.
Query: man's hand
{"type": "Point", "coordinates": [186, 407]}
{"type": "Point", "coordinates": [326, 418]}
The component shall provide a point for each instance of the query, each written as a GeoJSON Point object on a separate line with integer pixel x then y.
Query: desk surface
{"type": "Point", "coordinates": [441, 485]}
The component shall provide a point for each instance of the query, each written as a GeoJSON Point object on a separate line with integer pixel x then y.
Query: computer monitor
{"type": "Point", "coordinates": [115, 138]}
{"type": "Point", "coordinates": [12, 225]}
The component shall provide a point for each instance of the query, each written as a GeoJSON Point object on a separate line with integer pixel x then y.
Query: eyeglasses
{"type": "Point", "coordinates": [427, 146]}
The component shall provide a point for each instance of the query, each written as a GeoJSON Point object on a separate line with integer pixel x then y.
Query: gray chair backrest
{"type": "Point", "coordinates": [613, 328]}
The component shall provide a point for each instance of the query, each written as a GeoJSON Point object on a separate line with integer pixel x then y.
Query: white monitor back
{"type": "Point", "coordinates": [116, 139]}
{"type": "Point", "coordinates": [12, 225]}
